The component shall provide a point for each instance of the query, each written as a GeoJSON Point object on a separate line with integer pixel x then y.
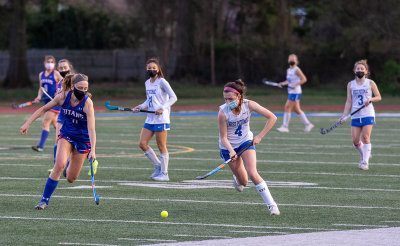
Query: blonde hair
{"type": "Point", "coordinates": [364, 63]}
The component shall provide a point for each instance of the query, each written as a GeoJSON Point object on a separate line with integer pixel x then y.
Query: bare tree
{"type": "Point", "coordinates": [17, 74]}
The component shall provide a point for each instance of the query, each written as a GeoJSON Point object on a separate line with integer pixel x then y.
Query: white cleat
{"type": "Point", "coordinates": [161, 177]}
{"type": "Point", "coordinates": [156, 172]}
{"type": "Point", "coordinates": [236, 184]}
{"type": "Point", "coordinates": [308, 127]}
{"type": "Point", "coordinates": [282, 129]}
{"type": "Point", "coordinates": [274, 210]}
{"type": "Point", "coordinates": [363, 165]}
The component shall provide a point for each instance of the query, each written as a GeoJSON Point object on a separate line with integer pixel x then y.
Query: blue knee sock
{"type": "Point", "coordinates": [43, 138]}
{"type": "Point", "coordinates": [48, 190]}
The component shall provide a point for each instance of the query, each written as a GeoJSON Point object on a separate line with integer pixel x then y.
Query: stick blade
{"type": "Point", "coordinates": [202, 177]}
{"type": "Point", "coordinates": [322, 131]}
{"type": "Point", "coordinates": [97, 200]}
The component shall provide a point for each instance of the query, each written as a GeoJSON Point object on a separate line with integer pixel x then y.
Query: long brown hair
{"type": "Point", "coordinates": [71, 79]}
{"type": "Point", "coordinates": [240, 86]}
{"type": "Point", "coordinates": [71, 67]}
{"type": "Point", "coordinates": [157, 62]}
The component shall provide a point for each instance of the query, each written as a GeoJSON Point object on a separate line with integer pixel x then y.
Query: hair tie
{"type": "Point", "coordinates": [231, 89]}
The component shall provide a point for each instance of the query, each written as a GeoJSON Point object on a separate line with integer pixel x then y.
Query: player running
{"type": "Point", "coordinates": [294, 79]}
{"type": "Point", "coordinates": [235, 134]}
{"type": "Point", "coordinates": [160, 98]}
{"type": "Point", "coordinates": [77, 135]}
{"type": "Point", "coordinates": [48, 80]}
{"type": "Point", "coordinates": [359, 93]}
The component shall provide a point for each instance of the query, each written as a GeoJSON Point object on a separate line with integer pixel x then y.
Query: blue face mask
{"type": "Point", "coordinates": [232, 104]}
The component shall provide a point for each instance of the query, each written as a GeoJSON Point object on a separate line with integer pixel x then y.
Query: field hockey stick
{"type": "Point", "coordinates": [325, 131]}
{"type": "Point", "coordinates": [45, 92]}
{"type": "Point", "coordinates": [224, 164]}
{"type": "Point", "coordinates": [108, 106]}
{"type": "Point", "coordinates": [96, 197]}
{"type": "Point", "coordinates": [266, 82]}
{"type": "Point", "coordinates": [23, 105]}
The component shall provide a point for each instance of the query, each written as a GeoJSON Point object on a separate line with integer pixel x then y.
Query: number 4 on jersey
{"type": "Point", "coordinates": [238, 131]}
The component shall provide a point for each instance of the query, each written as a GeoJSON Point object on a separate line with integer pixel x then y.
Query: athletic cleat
{"type": "Point", "coordinates": [236, 184]}
{"type": "Point", "coordinates": [308, 127]}
{"type": "Point", "coordinates": [95, 164]}
{"type": "Point", "coordinates": [274, 210]}
{"type": "Point", "coordinates": [37, 148]}
{"type": "Point", "coordinates": [41, 206]}
{"type": "Point", "coordinates": [161, 177]}
{"type": "Point", "coordinates": [157, 169]}
{"type": "Point", "coordinates": [282, 129]}
{"type": "Point", "coordinates": [363, 166]}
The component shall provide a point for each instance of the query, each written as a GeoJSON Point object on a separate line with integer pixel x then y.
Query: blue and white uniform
{"type": "Point", "coordinates": [50, 84]}
{"type": "Point", "coordinates": [292, 78]}
{"type": "Point", "coordinates": [238, 129]}
{"type": "Point", "coordinates": [159, 96]}
{"type": "Point", "coordinates": [74, 128]}
{"type": "Point", "coordinates": [360, 94]}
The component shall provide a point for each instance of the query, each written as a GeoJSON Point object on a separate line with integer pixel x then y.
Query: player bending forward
{"type": "Point", "coordinates": [235, 134]}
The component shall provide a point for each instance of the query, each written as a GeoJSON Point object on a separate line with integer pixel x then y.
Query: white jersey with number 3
{"type": "Point", "coordinates": [360, 94]}
{"type": "Point", "coordinates": [293, 79]}
{"type": "Point", "coordinates": [159, 96]}
{"type": "Point", "coordinates": [238, 125]}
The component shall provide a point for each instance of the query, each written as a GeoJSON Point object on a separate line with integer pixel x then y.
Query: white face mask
{"type": "Point", "coordinates": [49, 66]}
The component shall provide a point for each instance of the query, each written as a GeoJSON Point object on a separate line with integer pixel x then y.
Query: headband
{"type": "Point", "coordinates": [79, 79]}
{"type": "Point", "coordinates": [231, 89]}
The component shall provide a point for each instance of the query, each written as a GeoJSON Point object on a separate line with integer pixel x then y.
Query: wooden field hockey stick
{"type": "Point", "coordinates": [108, 106]}
{"type": "Point", "coordinates": [225, 163]}
{"type": "Point", "coordinates": [325, 131]}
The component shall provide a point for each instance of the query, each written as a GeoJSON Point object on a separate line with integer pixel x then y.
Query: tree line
{"type": "Point", "coordinates": [214, 41]}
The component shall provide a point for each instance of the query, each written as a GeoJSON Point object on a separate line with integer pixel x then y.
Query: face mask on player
{"type": "Point", "coordinates": [64, 73]}
{"type": "Point", "coordinates": [291, 63]}
{"type": "Point", "coordinates": [232, 104]}
{"type": "Point", "coordinates": [79, 94]}
{"type": "Point", "coordinates": [49, 66]}
{"type": "Point", "coordinates": [152, 73]}
{"type": "Point", "coordinates": [360, 74]}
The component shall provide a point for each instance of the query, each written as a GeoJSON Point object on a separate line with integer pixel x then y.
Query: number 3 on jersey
{"type": "Point", "coordinates": [361, 102]}
{"type": "Point", "coordinates": [238, 131]}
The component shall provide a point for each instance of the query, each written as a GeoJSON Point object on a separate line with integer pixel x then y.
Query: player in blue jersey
{"type": "Point", "coordinates": [361, 91]}
{"type": "Point", "coordinates": [160, 98]}
{"type": "Point", "coordinates": [235, 135]}
{"type": "Point", "coordinates": [48, 80]}
{"type": "Point", "coordinates": [294, 79]}
{"type": "Point", "coordinates": [77, 136]}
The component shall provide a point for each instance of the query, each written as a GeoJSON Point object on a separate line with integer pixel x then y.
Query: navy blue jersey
{"type": "Point", "coordinates": [49, 83]}
{"type": "Point", "coordinates": [75, 120]}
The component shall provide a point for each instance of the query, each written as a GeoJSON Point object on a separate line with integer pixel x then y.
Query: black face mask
{"type": "Point", "coordinates": [64, 73]}
{"type": "Point", "coordinates": [79, 94]}
{"type": "Point", "coordinates": [152, 73]}
{"type": "Point", "coordinates": [291, 63]}
{"type": "Point", "coordinates": [360, 74]}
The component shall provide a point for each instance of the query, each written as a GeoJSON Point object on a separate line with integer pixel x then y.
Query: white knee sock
{"type": "Point", "coordinates": [263, 190]}
{"type": "Point", "coordinates": [164, 162]}
{"type": "Point", "coordinates": [367, 152]}
{"type": "Point", "coordinates": [286, 119]}
{"type": "Point", "coordinates": [303, 118]}
{"type": "Point", "coordinates": [152, 156]}
{"type": "Point", "coordinates": [359, 148]}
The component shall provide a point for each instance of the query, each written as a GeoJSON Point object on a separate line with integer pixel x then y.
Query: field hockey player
{"type": "Point", "coordinates": [294, 79]}
{"type": "Point", "coordinates": [235, 134]}
{"type": "Point", "coordinates": [77, 136]}
{"type": "Point", "coordinates": [160, 98]}
{"type": "Point", "coordinates": [362, 91]}
{"type": "Point", "coordinates": [48, 79]}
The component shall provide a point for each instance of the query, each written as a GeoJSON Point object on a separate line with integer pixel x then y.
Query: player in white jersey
{"type": "Point", "coordinates": [160, 98]}
{"type": "Point", "coordinates": [361, 91]}
{"type": "Point", "coordinates": [235, 135]}
{"type": "Point", "coordinates": [294, 79]}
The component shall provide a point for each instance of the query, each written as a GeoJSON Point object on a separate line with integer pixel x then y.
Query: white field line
{"type": "Point", "coordinates": [162, 223]}
{"type": "Point", "coordinates": [359, 225]}
{"type": "Point", "coordinates": [185, 235]}
{"type": "Point", "coordinates": [145, 239]}
{"type": "Point", "coordinates": [205, 201]}
{"type": "Point", "coordinates": [88, 244]}
{"type": "Point", "coordinates": [261, 232]}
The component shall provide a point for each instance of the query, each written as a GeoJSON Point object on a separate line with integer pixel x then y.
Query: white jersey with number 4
{"type": "Point", "coordinates": [238, 125]}
{"type": "Point", "coordinates": [360, 94]}
{"type": "Point", "coordinates": [159, 96]}
{"type": "Point", "coordinates": [293, 79]}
